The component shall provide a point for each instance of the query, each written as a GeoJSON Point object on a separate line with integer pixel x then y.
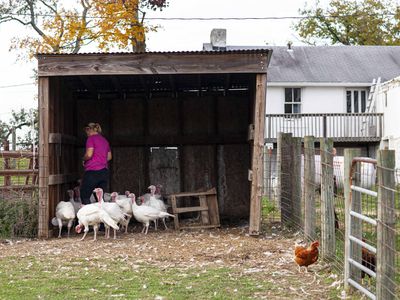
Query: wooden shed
{"type": "Point", "coordinates": [186, 120]}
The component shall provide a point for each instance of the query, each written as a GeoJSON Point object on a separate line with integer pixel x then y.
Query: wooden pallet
{"type": "Point", "coordinates": [208, 209]}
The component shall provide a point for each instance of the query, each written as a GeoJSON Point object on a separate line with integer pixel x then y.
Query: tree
{"type": "Point", "coordinates": [351, 22]}
{"type": "Point", "coordinates": [21, 120]}
{"type": "Point", "coordinates": [61, 29]}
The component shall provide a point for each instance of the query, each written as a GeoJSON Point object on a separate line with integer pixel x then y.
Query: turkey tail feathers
{"type": "Point", "coordinates": [109, 221]}
{"type": "Point", "coordinates": [165, 214]}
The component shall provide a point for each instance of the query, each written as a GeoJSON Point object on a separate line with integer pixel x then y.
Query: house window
{"type": "Point", "coordinates": [292, 100]}
{"type": "Point", "coordinates": [356, 101]}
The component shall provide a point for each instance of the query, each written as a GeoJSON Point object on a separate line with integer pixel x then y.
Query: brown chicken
{"type": "Point", "coordinates": [306, 256]}
{"type": "Point", "coordinates": [368, 260]}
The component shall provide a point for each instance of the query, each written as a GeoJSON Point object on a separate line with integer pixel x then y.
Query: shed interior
{"type": "Point", "coordinates": [187, 132]}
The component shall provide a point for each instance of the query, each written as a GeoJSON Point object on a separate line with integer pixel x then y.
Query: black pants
{"type": "Point", "coordinates": [92, 180]}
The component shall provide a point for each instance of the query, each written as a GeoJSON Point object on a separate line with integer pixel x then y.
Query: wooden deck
{"type": "Point", "coordinates": [358, 127]}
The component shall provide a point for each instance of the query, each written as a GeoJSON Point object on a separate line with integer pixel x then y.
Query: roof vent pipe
{"type": "Point", "coordinates": [289, 46]}
{"type": "Point", "coordinates": [218, 39]}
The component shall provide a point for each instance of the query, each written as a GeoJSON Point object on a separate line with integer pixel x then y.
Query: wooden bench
{"type": "Point", "coordinates": [208, 209]}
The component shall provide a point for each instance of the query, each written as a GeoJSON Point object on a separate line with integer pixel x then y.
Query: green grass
{"type": "Point", "coordinates": [31, 278]}
{"type": "Point", "coordinates": [16, 163]}
{"type": "Point", "coordinates": [269, 209]}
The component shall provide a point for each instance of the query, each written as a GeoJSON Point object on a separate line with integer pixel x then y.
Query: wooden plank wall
{"type": "Point", "coordinates": [201, 166]}
{"type": "Point", "coordinates": [62, 145]}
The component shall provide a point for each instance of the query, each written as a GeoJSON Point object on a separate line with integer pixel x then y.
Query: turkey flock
{"type": "Point", "coordinates": [113, 210]}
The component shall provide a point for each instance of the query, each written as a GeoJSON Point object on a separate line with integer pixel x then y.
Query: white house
{"type": "Point", "coordinates": [388, 102]}
{"type": "Point", "coordinates": [324, 90]}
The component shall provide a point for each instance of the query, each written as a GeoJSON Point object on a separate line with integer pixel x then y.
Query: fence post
{"type": "Point", "coordinates": [309, 187]}
{"type": "Point", "coordinates": [386, 246]}
{"type": "Point", "coordinates": [284, 170]}
{"type": "Point", "coordinates": [351, 198]}
{"type": "Point", "coordinates": [295, 182]}
{"type": "Point", "coordinates": [269, 127]}
{"type": "Point", "coordinates": [7, 165]}
{"type": "Point", "coordinates": [328, 246]}
{"type": "Point", "coordinates": [14, 139]}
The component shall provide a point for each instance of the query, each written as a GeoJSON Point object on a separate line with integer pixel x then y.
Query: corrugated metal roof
{"type": "Point", "coordinates": [213, 52]}
{"type": "Point", "coordinates": [330, 64]}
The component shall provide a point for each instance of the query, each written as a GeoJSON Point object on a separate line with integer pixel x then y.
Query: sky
{"type": "Point", "coordinates": [16, 83]}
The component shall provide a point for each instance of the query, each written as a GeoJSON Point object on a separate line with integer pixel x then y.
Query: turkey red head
{"type": "Point", "coordinates": [77, 192]}
{"type": "Point", "coordinates": [133, 197]}
{"type": "Point", "coordinates": [70, 194]}
{"type": "Point", "coordinates": [114, 196]}
{"type": "Point", "coordinates": [158, 189]}
{"type": "Point", "coordinates": [152, 189]}
{"type": "Point", "coordinates": [78, 228]}
{"type": "Point", "coordinates": [99, 194]}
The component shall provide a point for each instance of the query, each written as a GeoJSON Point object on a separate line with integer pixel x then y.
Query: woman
{"type": "Point", "coordinates": [95, 161]}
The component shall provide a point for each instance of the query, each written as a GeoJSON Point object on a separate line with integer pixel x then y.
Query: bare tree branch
{"type": "Point", "coordinates": [78, 41]}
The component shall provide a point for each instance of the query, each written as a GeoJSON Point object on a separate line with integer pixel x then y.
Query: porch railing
{"type": "Point", "coordinates": [341, 127]}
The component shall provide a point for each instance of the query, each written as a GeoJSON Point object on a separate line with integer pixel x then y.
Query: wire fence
{"type": "Point", "coordinates": [18, 172]}
{"type": "Point", "coordinates": [306, 189]}
{"type": "Point", "coordinates": [18, 193]}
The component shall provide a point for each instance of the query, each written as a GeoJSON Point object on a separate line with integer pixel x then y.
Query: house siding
{"type": "Point", "coordinates": [313, 100]}
{"type": "Point", "coordinates": [388, 102]}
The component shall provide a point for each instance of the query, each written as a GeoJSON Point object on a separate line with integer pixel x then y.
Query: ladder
{"type": "Point", "coordinates": [370, 107]}
{"type": "Point", "coordinates": [372, 95]}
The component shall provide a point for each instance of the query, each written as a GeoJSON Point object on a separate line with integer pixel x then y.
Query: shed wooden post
{"type": "Point", "coordinates": [284, 183]}
{"type": "Point", "coordinates": [44, 85]}
{"type": "Point", "coordinates": [386, 245]}
{"type": "Point", "coordinates": [295, 177]}
{"type": "Point", "coordinates": [257, 158]}
{"type": "Point", "coordinates": [309, 187]}
{"type": "Point", "coordinates": [350, 197]}
{"type": "Point", "coordinates": [327, 206]}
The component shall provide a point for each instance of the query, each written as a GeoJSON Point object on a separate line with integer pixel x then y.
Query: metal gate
{"type": "Point", "coordinates": [354, 243]}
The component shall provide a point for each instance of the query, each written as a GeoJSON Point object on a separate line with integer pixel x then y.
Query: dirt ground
{"type": "Point", "coordinates": [268, 257]}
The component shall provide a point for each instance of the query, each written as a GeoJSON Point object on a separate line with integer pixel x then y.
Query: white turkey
{"type": "Point", "coordinates": [154, 200]}
{"type": "Point", "coordinates": [115, 196]}
{"type": "Point", "coordinates": [65, 214]}
{"type": "Point", "coordinates": [106, 198]}
{"type": "Point", "coordinates": [92, 199]}
{"type": "Point", "coordinates": [92, 215]}
{"type": "Point", "coordinates": [144, 214]}
{"type": "Point", "coordinates": [126, 206]}
{"type": "Point", "coordinates": [114, 212]}
{"type": "Point", "coordinates": [156, 193]}
{"type": "Point", "coordinates": [77, 199]}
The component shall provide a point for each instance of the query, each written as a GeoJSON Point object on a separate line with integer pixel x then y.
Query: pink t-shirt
{"type": "Point", "coordinates": [101, 147]}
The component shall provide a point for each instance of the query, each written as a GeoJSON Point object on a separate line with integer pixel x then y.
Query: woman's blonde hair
{"type": "Point", "coordinates": [94, 126]}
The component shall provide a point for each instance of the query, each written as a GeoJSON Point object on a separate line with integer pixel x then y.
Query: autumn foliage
{"type": "Point", "coordinates": [107, 24]}
{"type": "Point", "coordinates": [351, 22]}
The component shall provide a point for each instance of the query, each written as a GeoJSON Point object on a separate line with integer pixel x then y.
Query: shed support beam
{"type": "Point", "coordinates": [44, 86]}
{"type": "Point", "coordinates": [257, 158]}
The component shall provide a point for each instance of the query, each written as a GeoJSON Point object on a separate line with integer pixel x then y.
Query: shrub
{"type": "Point", "coordinates": [19, 217]}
